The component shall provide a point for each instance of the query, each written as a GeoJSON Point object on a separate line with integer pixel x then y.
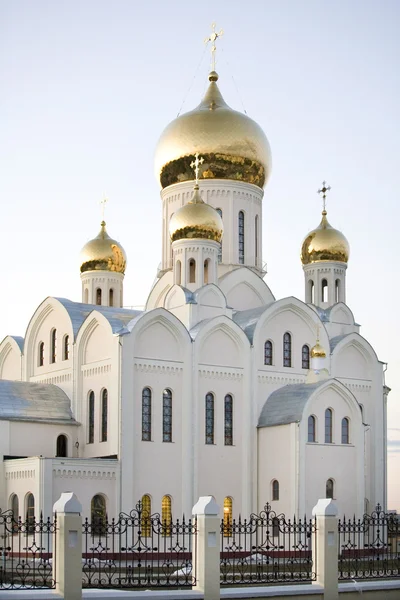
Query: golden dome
{"type": "Point", "coordinates": [103, 254]}
{"type": "Point", "coordinates": [195, 220]}
{"type": "Point", "coordinates": [233, 145]}
{"type": "Point", "coordinates": [325, 244]}
{"type": "Point", "coordinates": [317, 351]}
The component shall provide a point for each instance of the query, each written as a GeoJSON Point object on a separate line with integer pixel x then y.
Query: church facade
{"type": "Point", "coordinates": [216, 387]}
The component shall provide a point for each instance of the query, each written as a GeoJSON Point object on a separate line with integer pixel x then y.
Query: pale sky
{"type": "Point", "coordinates": [86, 88]}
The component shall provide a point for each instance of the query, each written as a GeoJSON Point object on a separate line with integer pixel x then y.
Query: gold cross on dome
{"type": "Point", "coordinates": [213, 38]}
{"type": "Point", "coordinates": [103, 206]}
{"type": "Point", "coordinates": [322, 192]}
{"type": "Point", "coordinates": [195, 164]}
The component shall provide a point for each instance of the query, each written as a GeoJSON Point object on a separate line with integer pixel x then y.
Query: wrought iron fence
{"type": "Point", "coordinates": [138, 550]}
{"type": "Point", "coordinates": [267, 548]}
{"type": "Point", "coordinates": [26, 552]}
{"type": "Point", "coordinates": [369, 548]}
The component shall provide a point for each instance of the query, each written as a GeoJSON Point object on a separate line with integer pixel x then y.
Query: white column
{"type": "Point", "coordinates": [206, 559]}
{"type": "Point", "coordinates": [67, 562]}
{"type": "Point", "coordinates": [325, 548]}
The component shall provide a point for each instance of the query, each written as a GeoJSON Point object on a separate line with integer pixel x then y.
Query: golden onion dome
{"type": "Point", "coordinates": [318, 351]}
{"type": "Point", "coordinates": [233, 145]}
{"type": "Point", "coordinates": [196, 220]}
{"type": "Point", "coordinates": [325, 244]}
{"type": "Point", "coordinates": [103, 254]}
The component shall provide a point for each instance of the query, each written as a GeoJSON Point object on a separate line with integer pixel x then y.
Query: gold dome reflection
{"type": "Point", "coordinates": [325, 244]}
{"type": "Point", "coordinates": [318, 351]}
{"type": "Point", "coordinates": [196, 219]}
{"type": "Point", "coordinates": [103, 254]}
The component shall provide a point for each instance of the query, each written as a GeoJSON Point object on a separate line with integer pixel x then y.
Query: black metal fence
{"type": "Point", "coordinates": [267, 548]}
{"type": "Point", "coordinates": [26, 552]}
{"type": "Point", "coordinates": [138, 550]}
{"type": "Point", "coordinates": [369, 548]}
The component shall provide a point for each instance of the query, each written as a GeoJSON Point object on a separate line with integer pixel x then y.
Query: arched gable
{"type": "Point", "coordinates": [94, 339]}
{"type": "Point", "coordinates": [221, 342]}
{"type": "Point", "coordinates": [10, 359]}
{"type": "Point", "coordinates": [341, 313]}
{"type": "Point", "coordinates": [177, 296]}
{"type": "Point", "coordinates": [158, 292]}
{"type": "Point", "coordinates": [353, 357]}
{"type": "Point", "coordinates": [328, 395]}
{"type": "Point", "coordinates": [210, 295]}
{"type": "Point", "coordinates": [244, 289]}
{"type": "Point", "coordinates": [158, 334]}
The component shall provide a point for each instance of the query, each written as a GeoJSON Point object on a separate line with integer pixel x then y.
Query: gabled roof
{"type": "Point", "coordinates": [286, 404]}
{"type": "Point", "coordinates": [19, 340]}
{"type": "Point", "coordinates": [248, 319]}
{"type": "Point", "coordinates": [333, 342]}
{"type": "Point", "coordinates": [26, 401]}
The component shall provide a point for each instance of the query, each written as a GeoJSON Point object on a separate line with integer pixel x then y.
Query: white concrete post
{"type": "Point", "coordinates": [206, 560]}
{"type": "Point", "coordinates": [325, 547]}
{"type": "Point", "coordinates": [67, 566]}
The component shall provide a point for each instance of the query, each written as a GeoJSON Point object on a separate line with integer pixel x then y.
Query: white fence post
{"type": "Point", "coordinates": [206, 559]}
{"type": "Point", "coordinates": [67, 566]}
{"type": "Point", "coordinates": [325, 547]}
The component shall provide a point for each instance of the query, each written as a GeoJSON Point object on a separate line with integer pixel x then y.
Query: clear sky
{"type": "Point", "coordinates": [87, 87]}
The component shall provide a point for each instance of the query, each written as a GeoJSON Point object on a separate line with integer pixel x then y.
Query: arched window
{"type": "Point", "coordinates": [275, 489]}
{"type": "Point", "coordinates": [111, 297]}
{"type": "Point", "coordinates": [209, 418]}
{"type": "Point", "coordinates": [312, 291]}
{"type": "Point", "coordinates": [241, 237]}
{"type": "Point", "coordinates": [98, 514]}
{"type": "Point", "coordinates": [66, 347]}
{"type": "Point", "coordinates": [104, 416]}
{"type": "Point", "coordinates": [53, 345]}
{"type": "Point", "coordinates": [328, 426]}
{"type": "Point", "coordinates": [206, 269]}
{"type": "Point", "coordinates": [86, 299]}
{"type": "Point", "coordinates": [228, 504]}
{"type": "Point", "coordinates": [311, 429]}
{"type": "Point", "coordinates": [324, 290]}
{"type": "Point", "coordinates": [14, 505]}
{"type": "Point", "coordinates": [146, 516]}
{"type": "Point", "coordinates": [219, 211]}
{"type": "Point", "coordinates": [30, 512]}
{"type": "Point", "coordinates": [268, 354]}
{"type": "Point", "coordinates": [41, 354]}
{"type": "Point", "coordinates": [337, 290]}
{"type": "Point", "coordinates": [62, 446]}
{"type": "Point", "coordinates": [98, 297]}
{"type": "Point", "coordinates": [166, 515]}
{"type": "Point", "coordinates": [256, 240]}
{"type": "Point", "coordinates": [345, 431]}
{"type": "Point", "coordinates": [287, 350]}
{"type": "Point", "coordinates": [305, 357]}
{"type": "Point", "coordinates": [329, 488]}
{"type": "Point", "coordinates": [178, 272]}
{"type": "Point", "coordinates": [192, 271]}
{"type": "Point", "coordinates": [228, 420]}
{"type": "Point", "coordinates": [167, 416]}
{"type": "Point", "coordinates": [146, 414]}
{"type": "Point", "coordinates": [91, 418]}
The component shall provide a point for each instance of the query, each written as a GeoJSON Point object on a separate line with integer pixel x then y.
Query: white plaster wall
{"type": "Point", "coordinates": [38, 439]}
{"type": "Point", "coordinates": [10, 360]}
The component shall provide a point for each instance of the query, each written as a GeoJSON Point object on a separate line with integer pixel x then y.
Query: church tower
{"type": "Point", "coordinates": [103, 263]}
{"type": "Point", "coordinates": [324, 254]}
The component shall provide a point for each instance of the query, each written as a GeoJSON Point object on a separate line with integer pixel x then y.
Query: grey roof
{"type": "Point", "coordinates": [323, 313]}
{"type": "Point", "coordinates": [26, 401]}
{"type": "Point", "coordinates": [248, 319]}
{"type": "Point", "coordinates": [286, 404]}
{"type": "Point", "coordinates": [20, 341]}
{"type": "Point", "coordinates": [117, 317]}
{"type": "Point", "coordinates": [334, 341]}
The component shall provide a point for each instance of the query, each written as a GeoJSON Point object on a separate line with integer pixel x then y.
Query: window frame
{"type": "Point", "coordinates": [345, 431]}
{"type": "Point", "coordinates": [268, 356]}
{"type": "Point", "coordinates": [328, 426]}
{"type": "Point", "coordinates": [104, 415]}
{"type": "Point", "coordinates": [228, 420]}
{"type": "Point", "coordinates": [209, 408]}
{"type": "Point", "coordinates": [313, 430]}
{"type": "Point", "coordinates": [305, 357]}
{"type": "Point", "coordinates": [147, 397]}
{"type": "Point", "coordinates": [241, 237]}
{"type": "Point", "coordinates": [167, 416]}
{"type": "Point", "coordinates": [287, 349]}
{"type": "Point", "coordinates": [91, 417]}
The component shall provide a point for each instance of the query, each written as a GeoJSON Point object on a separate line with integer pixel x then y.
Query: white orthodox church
{"type": "Point", "coordinates": [216, 387]}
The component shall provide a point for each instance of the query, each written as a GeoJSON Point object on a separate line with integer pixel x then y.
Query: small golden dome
{"type": "Point", "coordinates": [196, 220]}
{"type": "Point", "coordinates": [325, 244]}
{"type": "Point", "coordinates": [233, 145]}
{"type": "Point", "coordinates": [103, 254]}
{"type": "Point", "coordinates": [317, 351]}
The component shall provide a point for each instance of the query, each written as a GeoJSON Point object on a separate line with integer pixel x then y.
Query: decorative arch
{"type": "Point", "coordinates": [11, 358]}
{"type": "Point", "coordinates": [228, 328]}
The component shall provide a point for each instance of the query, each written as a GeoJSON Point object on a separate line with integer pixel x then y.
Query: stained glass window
{"type": "Point", "coordinates": [167, 416]}
{"type": "Point", "coordinates": [268, 353]}
{"type": "Point", "coordinates": [146, 414]}
{"type": "Point", "coordinates": [241, 237]}
{"type": "Point", "coordinates": [228, 420]}
{"type": "Point", "coordinates": [287, 350]}
{"type": "Point", "coordinates": [209, 418]}
{"type": "Point", "coordinates": [104, 415]}
{"type": "Point", "coordinates": [305, 357]}
{"type": "Point", "coordinates": [328, 426]}
{"type": "Point", "coordinates": [91, 418]}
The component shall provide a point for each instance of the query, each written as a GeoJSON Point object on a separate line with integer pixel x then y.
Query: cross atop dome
{"type": "Point", "coordinates": [213, 38]}
{"type": "Point", "coordinates": [322, 192]}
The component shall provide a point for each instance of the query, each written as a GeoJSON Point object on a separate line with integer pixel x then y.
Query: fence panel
{"type": "Point", "coordinates": [369, 548]}
{"type": "Point", "coordinates": [138, 550]}
{"type": "Point", "coordinates": [26, 552]}
{"type": "Point", "coordinates": [266, 548]}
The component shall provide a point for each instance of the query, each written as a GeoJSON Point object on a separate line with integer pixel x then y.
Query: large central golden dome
{"type": "Point", "coordinates": [233, 145]}
{"type": "Point", "coordinates": [325, 244]}
{"type": "Point", "coordinates": [196, 220]}
{"type": "Point", "coordinates": [103, 254]}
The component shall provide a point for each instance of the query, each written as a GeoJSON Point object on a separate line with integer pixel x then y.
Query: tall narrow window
{"type": "Point", "coordinates": [287, 350]}
{"type": "Point", "coordinates": [324, 290]}
{"type": "Point", "coordinates": [305, 357]}
{"type": "Point", "coordinates": [311, 284]}
{"type": "Point", "coordinates": [311, 429]}
{"type": "Point", "coordinates": [91, 418]}
{"type": "Point", "coordinates": [14, 505]}
{"type": "Point", "coordinates": [345, 431]}
{"type": "Point", "coordinates": [62, 446]}
{"type": "Point", "coordinates": [209, 418]}
{"type": "Point", "coordinates": [167, 416]}
{"type": "Point", "coordinates": [104, 416]}
{"type": "Point", "coordinates": [98, 514]}
{"type": "Point", "coordinates": [98, 297]}
{"type": "Point", "coordinates": [192, 271]}
{"type": "Point", "coordinates": [241, 236]}
{"type": "Point", "coordinates": [328, 426]}
{"type": "Point", "coordinates": [329, 488]}
{"type": "Point", "coordinates": [86, 297]}
{"type": "Point", "coordinates": [66, 347]}
{"type": "Point", "coordinates": [268, 353]}
{"type": "Point", "coordinates": [146, 414]}
{"type": "Point", "coordinates": [337, 290]}
{"type": "Point", "coordinates": [166, 515]}
{"type": "Point", "coordinates": [146, 516]}
{"type": "Point", "coordinates": [111, 297]}
{"type": "Point", "coordinates": [178, 267]}
{"type": "Point", "coordinates": [228, 516]}
{"type": "Point", "coordinates": [206, 269]}
{"type": "Point", "coordinates": [41, 354]}
{"type": "Point", "coordinates": [53, 345]}
{"type": "Point", "coordinates": [219, 211]}
{"type": "Point", "coordinates": [275, 489]}
{"type": "Point", "coordinates": [256, 240]}
{"type": "Point", "coordinates": [228, 420]}
{"type": "Point", "coordinates": [30, 512]}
